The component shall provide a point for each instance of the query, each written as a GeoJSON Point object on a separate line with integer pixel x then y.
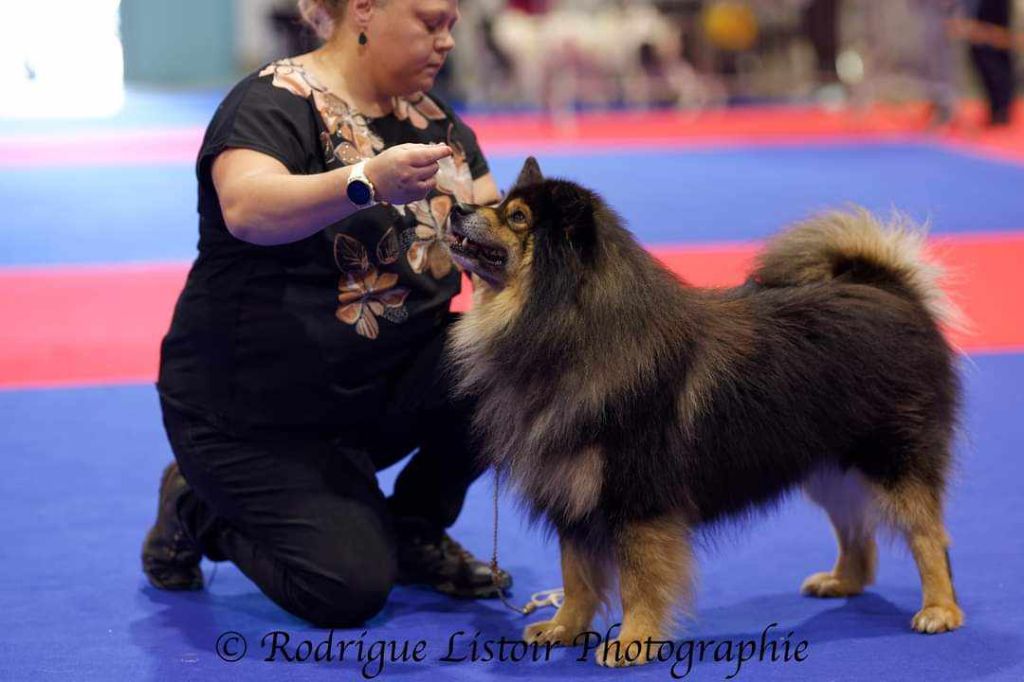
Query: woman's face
{"type": "Point", "coordinates": [408, 41]}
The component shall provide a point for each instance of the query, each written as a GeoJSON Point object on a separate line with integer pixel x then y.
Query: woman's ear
{"type": "Point", "coordinates": [359, 13]}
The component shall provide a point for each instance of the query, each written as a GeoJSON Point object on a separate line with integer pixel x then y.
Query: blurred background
{"type": "Point", "coordinates": [552, 55]}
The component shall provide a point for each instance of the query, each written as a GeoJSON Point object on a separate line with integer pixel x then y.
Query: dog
{"type": "Point", "coordinates": [631, 411]}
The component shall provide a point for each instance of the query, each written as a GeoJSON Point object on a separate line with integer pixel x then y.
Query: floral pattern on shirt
{"type": "Point", "coordinates": [419, 110]}
{"type": "Point", "coordinates": [428, 251]}
{"type": "Point", "coordinates": [454, 176]}
{"type": "Point", "coordinates": [366, 297]}
{"type": "Point", "coordinates": [357, 140]}
{"type": "Point", "coordinates": [351, 126]}
{"type": "Point", "coordinates": [289, 75]}
{"type": "Point", "coordinates": [366, 291]}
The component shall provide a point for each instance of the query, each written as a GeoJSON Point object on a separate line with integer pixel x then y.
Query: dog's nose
{"type": "Point", "coordinates": [462, 210]}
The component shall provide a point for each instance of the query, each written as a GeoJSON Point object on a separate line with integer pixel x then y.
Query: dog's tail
{"type": "Point", "coordinates": [854, 246]}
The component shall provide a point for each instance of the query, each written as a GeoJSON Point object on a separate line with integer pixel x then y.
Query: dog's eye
{"type": "Point", "coordinates": [518, 216]}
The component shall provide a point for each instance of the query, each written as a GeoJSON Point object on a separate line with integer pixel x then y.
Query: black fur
{"type": "Point", "coordinates": [851, 371]}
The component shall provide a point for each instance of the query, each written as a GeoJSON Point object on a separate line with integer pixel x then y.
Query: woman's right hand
{"type": "Point", "coordinates": [405, 173]}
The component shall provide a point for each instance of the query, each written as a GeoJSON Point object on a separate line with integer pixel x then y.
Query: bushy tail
{"type": "Point", "coordinates": [855, 246]}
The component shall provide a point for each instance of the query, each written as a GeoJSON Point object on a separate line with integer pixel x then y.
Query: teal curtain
{"type": "Point", "coordinates": [178, 42]}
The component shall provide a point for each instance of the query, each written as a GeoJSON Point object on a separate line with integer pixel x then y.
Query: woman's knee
{"type": "Point", "coordinates": [343, 598]}
{"type": "Point", "coordinates": [333, 565]}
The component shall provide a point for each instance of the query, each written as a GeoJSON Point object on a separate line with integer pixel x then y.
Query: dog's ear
{"type": "Point", "coordinates": [529, 175]}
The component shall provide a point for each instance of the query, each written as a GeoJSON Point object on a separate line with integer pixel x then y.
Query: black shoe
{"type": "Point", "coordinates": [448, 568]}
{"type": "Point", "coordinates": [170, 559]}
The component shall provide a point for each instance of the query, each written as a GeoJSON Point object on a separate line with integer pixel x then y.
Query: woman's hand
{"type": "Point", "coordinates": [405, 173]}
{"type": "Point", "coordinates": [263, 203]}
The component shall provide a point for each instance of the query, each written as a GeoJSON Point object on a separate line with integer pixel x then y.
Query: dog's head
{"type": "Point", "coordinates": [540, 222]}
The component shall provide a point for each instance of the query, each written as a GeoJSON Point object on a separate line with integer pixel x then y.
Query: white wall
{"type": "Point", "coordinates": [256, 42]}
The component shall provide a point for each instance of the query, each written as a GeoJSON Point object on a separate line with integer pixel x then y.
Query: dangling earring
{"type": "Point", "coordinates": [362, 38]}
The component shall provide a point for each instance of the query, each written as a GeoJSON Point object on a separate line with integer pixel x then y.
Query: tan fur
{"type": "Point", "coordinates": [513, 239]}
{"type": "Point", "coordinates": [917, 512]}
{"type": "Point", "coordinates": [850, 504]}
{"type": "Point", "coordinates": [586, 583]}
{"type": "Point", "coordinates": [519, 205]}
{"type": "Point", "coordinates": [807, 251]}
{"type": "Point", "coordinates": [492, 312]}
{"type": "Point", "coordinates": [655, 566]}
{"type": "Point", "coordinates": [855, 507]}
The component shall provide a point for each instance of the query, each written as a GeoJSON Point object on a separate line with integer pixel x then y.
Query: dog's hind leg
{"type": "Point", "coordinates": [655, 576]}
{"type": "Point", "coordinates": [916, 510]}
{"type": "Point", "coordinates": [848, 500]}
{"type": "Point", "coordinates": [585, 580]}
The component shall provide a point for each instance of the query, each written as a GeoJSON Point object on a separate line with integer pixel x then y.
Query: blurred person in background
{"type": "Point", "coordinates": [938, 58]}
{"type": "Point", "coordinates": [821, 25]}
{"type": "Point", "coordinates": [305, 352]}
{"type": "Point", "coordinates": [563, 53]}
{"type": "Point", "coordinates": [530, 6]}
{"type": "Point", "coordinates": [992, 55]}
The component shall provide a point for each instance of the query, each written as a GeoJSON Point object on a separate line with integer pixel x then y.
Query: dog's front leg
{"type": "Point", "coordinates": [585, 581]}
{"type": "Point", "coordinates": [655, 574]}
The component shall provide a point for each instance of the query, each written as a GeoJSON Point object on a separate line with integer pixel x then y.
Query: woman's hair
{"type": "Point", "coordinates": [321, 15]}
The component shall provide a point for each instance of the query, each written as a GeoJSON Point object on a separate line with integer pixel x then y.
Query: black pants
{"type": "Point", "coordinates": [303, 516]}
{"type": "Point", "coordinates": [995, 66]}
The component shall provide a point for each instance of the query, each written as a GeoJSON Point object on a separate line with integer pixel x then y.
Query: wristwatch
{"type": "Point", "coordinates": [359, 188]}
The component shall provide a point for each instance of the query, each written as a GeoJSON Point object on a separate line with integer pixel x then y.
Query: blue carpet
{"type": "Point", "coordinates": [81, 466]}
{"type": "Point", "coordinates": [75, 215]}
{"type": "Point", "coordinates": [79, 490]}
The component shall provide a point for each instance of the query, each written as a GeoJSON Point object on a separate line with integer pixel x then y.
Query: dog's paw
{"type": "Point", "coordinates": [935, 619]}
{"type": "Point", "coordinates": [548, 631]}
{"type": "Point", "coordinates": [827, 585]}
{"type": "Point", "coordinates": [619, 653]}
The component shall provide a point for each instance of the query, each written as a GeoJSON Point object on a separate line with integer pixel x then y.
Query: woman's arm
{"type": "Point", "coordinates": [264, 204]}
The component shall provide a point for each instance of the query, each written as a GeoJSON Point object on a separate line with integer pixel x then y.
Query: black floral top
{"type": "Point", "coordinates": [313, 333]}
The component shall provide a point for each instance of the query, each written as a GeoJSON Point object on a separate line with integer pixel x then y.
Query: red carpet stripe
{"type": "Point", "coordinates": [102, 325]}
{"type": "Point", "coordinates": [101, 148]}
{"type": "Point", "coordinates": [535, 133]}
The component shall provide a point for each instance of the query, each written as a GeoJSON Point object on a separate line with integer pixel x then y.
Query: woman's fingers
{"type": "Point", "coordinates": [425, 155]}
{"type": "Point", "coordinates": [426, 171]}
{"type": "Point", "coordinates": [407, 172]}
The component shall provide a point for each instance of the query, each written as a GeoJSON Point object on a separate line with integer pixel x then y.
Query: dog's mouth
{"type": "Point", "coordinates": [473, 250]}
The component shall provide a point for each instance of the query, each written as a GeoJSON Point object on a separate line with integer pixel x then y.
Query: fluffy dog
{"type": "Point", "coordinates": [629, 410]}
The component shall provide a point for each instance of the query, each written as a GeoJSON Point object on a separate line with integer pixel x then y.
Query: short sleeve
{"type": "Point", "coordinates": [259, 116]}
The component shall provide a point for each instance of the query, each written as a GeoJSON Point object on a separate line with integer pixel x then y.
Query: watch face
{"type": "Point", "coordinates": [359, 192]}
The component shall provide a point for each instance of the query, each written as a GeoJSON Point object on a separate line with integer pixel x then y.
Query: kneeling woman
{"type": "Point", "coordinates": [305, 353]}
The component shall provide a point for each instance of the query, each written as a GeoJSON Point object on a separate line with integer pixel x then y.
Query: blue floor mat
{"type": "Point", "coordinates": [79, 490]}
{"type": "Point", "coordinates": [115, 214]}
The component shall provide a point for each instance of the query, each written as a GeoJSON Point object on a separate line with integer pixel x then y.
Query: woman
{"type": "Point", "coordinates": [305, 352]}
